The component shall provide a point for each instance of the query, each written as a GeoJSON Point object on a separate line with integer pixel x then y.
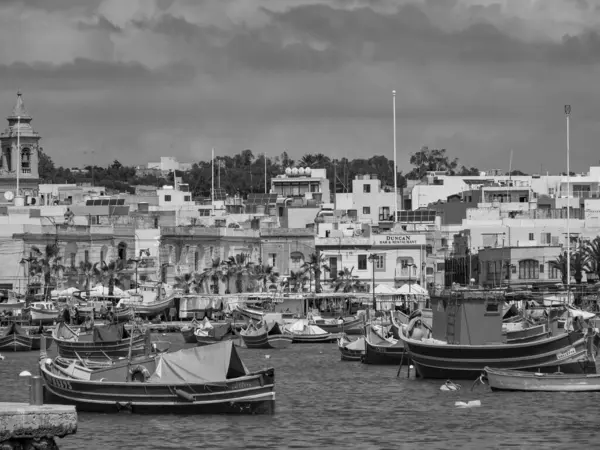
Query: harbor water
{"type": "Point", "coordinates": [325, 403]}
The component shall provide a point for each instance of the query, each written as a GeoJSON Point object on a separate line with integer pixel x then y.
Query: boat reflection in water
{"type": "Point", "coordinates": [208, 379]}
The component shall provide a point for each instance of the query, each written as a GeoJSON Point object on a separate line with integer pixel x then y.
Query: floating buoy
{"type": "Point", "coordinates": [267, 356]}
{"type": "Point", "coordinates": [450, 386]}
{"type": "Point", "coordinates": [470, 404]}
{"type": "Point", "coordinates": [1, 357]}
{"type": "Point", "coordinates": [25, 373]}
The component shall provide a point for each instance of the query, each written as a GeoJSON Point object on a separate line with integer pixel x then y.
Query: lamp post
{"type": "Point", "coordinates": [568, 114]}
{"type": "Point", "coordinates": [373, 257]}
{"type": "Point", "coordinates": [407, 266]}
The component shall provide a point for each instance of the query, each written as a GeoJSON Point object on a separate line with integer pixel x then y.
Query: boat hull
{"type": "Point", "coordinates": [36, 341]}
{"type": "Point", "coordinates": [353, 327]}
{"type": "Point", "coordinates": [515, 380]}
{"type": "Point", "coordinates": [564, 352]}
{"type": "Point", "coordinates": [312, 338]}
{"type": "Point", "coordinates": [188, 335]}
{"type": "Point", "coordinates": [276, 341]}
{"type": "Point", "coordinates": [527, 334]}
{"type": "Point", "coordinates": [140, 345]}
{"type": "Point", "coordinates": [252, 394]}
{"type": "Point", "coordinates": [16, 343]}
{"type": "Point", "coordinates": [43, 316]}
{"type": "Point", "coordinates": [384, 355]}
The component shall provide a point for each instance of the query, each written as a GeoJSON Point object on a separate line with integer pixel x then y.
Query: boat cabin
{"type": "Point", "coordinates": [471, 317]}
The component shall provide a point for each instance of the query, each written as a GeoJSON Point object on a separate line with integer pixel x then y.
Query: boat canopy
{"type": "Point", "coordinates": [302, 326]}
{"type": "Point", "coordinates": [358, 344]}
{"type": "Point", "coordinates": [65, 332]}
{"type": "Point", "coordinates": [110, 333]}
{"type": "Point", "coordinates": [199, 365]}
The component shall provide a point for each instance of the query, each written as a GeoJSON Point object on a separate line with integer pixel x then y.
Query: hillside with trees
{"type": "Point", "coordinates": [244, 173]}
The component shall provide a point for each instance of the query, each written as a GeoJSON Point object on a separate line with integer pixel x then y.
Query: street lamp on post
{"type": "Point", "coordinates": [407, 266]}
{"type": "Point", "coordinates": [136, 261]}
{"type": "Point", "coordinates": [373, 258]}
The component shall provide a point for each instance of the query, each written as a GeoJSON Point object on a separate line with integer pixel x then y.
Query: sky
{"type": "Point", "coordinates": [138, 79]}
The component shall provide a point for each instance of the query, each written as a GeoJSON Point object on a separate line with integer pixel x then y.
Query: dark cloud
{"type": "Point", "coordinates": [88, 74]}
{"type": "Point", "coordinates": [101, 24]}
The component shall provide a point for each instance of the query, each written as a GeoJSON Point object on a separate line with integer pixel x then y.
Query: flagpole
{"type": "Point", "coordinates": [18, 154]}
{"type": "Point", "coordinates": [212, 162]}
{"type": "Point", "coordinates": [568, 114]}
{"type": "Point", "coordinates": [265, 172]}
{"type": "Point", "coordinates": [395, 163]}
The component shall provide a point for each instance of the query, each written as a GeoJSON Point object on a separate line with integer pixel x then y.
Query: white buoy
{"type": "Point", "coordinates": [25, 373]}
{"type": "Point", "coordinates": [470, 404]}
{"type": "Point", "coordinates": [267, 356]}
{"type": "Point", "coordinates": [1, 357]}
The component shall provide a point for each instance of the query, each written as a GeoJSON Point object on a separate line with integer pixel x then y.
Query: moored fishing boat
{"type": "Point", "coordinates": [187, 332]}
{"type": "Point", "coordinates": [351, 350]}
{"type": "Point", "coordinates": [517, 380]}
{"type": "Point", "coordinates": [208, 333]}
{"type": "Point", "coordinates": [108, 341]}
{"type": "Point", "coordinates": [381, 350]}
{"type": "Point", "coordinates": [304, 333]}
{"type": "Point", "coordinates": [15, 339]}
{"type": "Point", "coordinates": [467, 336]}
{"type": "Point", "coordinates": [43, 312]}
{"type": "Point", "coordinates": [265, 335]}
{"type": "Point", "coordinates": [351, 326]}
{"type": "Point", "coordinates": [211, 379]}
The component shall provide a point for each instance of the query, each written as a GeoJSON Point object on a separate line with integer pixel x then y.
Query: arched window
{"type": "Point", "coordinates": [26, 160]}
{"type": "Point", "coordinates": [529, 269]}
{"type": "Point", "coordinates": [122, 252]}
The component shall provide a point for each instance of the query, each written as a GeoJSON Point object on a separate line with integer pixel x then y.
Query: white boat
{"type": "Point", "coordinates": [43, 312]}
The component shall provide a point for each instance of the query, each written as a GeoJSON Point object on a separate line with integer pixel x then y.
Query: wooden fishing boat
{"type": "Point", "coordinates": [187, 332]}
{"type": "Point", "coordinates": [380, 350]}
{"type": "Point", "coordinates": [304, 333]}
{"type": "Point", "coordinates": [351, 350]}
{"type": "Point", "coordinates": [151, 309]}
{"type": "Point", "coordinates": [108, 341]}
{"type": "Point", "coordinates": [43, 312]}
{"type": "Point", "coordinates": [181, 382]}
{"type": "Point", "coordinates": [353, 326]}
{"type": "Point", "coordinates": [263, 335]}
{"type": "Point", "coordinates": [124, 314]}
{"type": "Point", "coordinates": [15, 339]}
{"type": "Point", "coordinates": [467, 336]}
{"type": "Point", "coordinates": [251, 313]}
{"type": "Point", "coordinates": [526, 334]}
{"type": "Point", "coordinates": [207, 333]}
{"type": "Point", "coordinates": [517, 380]}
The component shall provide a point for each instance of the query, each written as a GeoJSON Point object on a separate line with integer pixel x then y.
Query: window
{"type": "Point", "coordinates": [366, 210]}
{"type": "Point", "coordinates": [546, 238]}
{"type": "Point", "coordinates": [529, 269]}
{"type": "Point", "coordinates": [167, 198]}
{"type": "Point", "coordinates": [187, 198]}
{"type": "Point", "coordinates": [380, 262]}
{"type": "Point", "coordinates": [366, 188]}
{"type": "Point", "coordinates": [551, 191]}
{"type": "Point", "coordinates": [531, 237]}
{"type": "Point", "coordinates": [553, 272]}
{"type": "Point", "coordinates": [272, 259]}
{"type": "Point", "coordinates": [196, 261]}
{"type": "Point", "coordinates": [87, 256]}
{"type": "Point", "coordinates": [26, 160]}
{"type": "Point", "coordinates": [156, 222]}
{"type": "Point", "coordinates": [541, 268]}
{"type": "Point", "coordinates": [333, 268]}
{"type": "Point", "coordinates": [362, 262]}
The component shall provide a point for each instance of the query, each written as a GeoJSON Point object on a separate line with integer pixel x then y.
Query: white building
{"type": "Point", "coordinates": [368, 202]}
{"type": "Point", "coordinates": [311, 184]}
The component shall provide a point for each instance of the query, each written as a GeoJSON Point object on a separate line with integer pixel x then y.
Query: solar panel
{"type": "Point", "coordinates": [220, 194]}
{"type": "Point", "coordinates": [261, 199]}
{"type": "Point", "coordinates": [425, 215]}
{"type": "Point", "coordinates": [105, 202]}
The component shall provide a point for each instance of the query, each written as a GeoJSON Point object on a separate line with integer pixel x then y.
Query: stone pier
{"type": "Point", "coordinates": [28, 427]}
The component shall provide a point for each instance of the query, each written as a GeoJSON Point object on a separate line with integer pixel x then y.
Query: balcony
{"type": "Point", "coordinates": [580, 194]}
{"type": "Point", "coordinates": [209, 232]}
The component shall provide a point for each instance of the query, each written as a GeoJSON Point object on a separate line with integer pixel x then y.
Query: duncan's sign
{"type": "Point", "coordinates": [399, 240]}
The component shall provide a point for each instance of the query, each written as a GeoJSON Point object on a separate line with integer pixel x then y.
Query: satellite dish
{"type": "Point", "coordinates": [301, 171]}
{"type": "Point", "coordinates": [307, 171]}
{"type": "Point", "coordinates": [9, 195]}
{"type": "Point", "coordinates": [288, 171]}
{"type": "Point", "coordinates": [294, 171]}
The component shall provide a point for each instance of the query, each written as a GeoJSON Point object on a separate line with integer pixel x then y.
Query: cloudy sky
{"type": "Point", "coordinates": [138, 79]}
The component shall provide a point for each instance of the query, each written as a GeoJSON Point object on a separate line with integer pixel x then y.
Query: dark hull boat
{"type": "Point", "coordinates": [303, 332]}
{"type": "Point", "coordinates": [434, 359]}
{"type": "Point", "coordinates": [265, 336]}
{"type": "Point", "coordinates": [351, 350]}
{"type": "Point", "coordinates": [197, 380]}
{"type": "Point", "coordinates": [187, 332]}
{"type": "Point", "coordinates": [216, 333]}
{"type": "Point", "coordinates": [36, 341]}
{"type": "Point", "coordinates": [15, 339]}
{"type": "Point", "coordinates": [106, 342]}
{"type": "Point", "coordinates": [381, 351]}
{"type": "Point", "coordinates": [334, 326]}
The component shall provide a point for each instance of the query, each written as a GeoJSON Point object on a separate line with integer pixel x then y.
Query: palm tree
{"type": "Point", "coordinates": [227, 271]}
{"type": "Point", "coordinates": [187, 282]}
{"type": "Point", "coordinates": [592, 256]}
{"type": "Point", "coordinates": [315, 265]}
{"type": "Point", "coordinates": [90, 272]}
{"type": "Point", "coordinates": [295, 281]}
{"type": "Point", "coordinates": [347, 281]}
{"type": "Point", "coordinates": [578, 265]}
{"type": "Point", "coordinates": [49, 265]}
{"type": "Point", "coordinates": [213, 273]}
{"type": "Point", "coordinates": [242, 267]}
{"type": "Point", "coordinates": [264, 273]}
{"type": "Point", "coordinates": [111, 274]}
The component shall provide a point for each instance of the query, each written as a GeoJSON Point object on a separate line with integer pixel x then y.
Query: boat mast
{"type": "Point", "coordinates": [568, 114]}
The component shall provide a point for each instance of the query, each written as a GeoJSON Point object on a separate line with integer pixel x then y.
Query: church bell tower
{"type": "Point", "coordinates": [19, 145]}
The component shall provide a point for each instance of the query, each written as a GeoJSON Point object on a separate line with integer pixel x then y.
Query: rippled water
{"type": "Point", "coordinates": [325, 403]}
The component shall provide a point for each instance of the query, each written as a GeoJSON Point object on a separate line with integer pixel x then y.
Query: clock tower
{"type": "Point", "coordinates": [19, 145]}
